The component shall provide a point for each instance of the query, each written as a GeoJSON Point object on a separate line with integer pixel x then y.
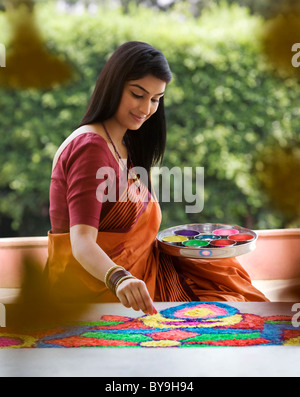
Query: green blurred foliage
{"type": "Point", "coordinates": [224, 106]}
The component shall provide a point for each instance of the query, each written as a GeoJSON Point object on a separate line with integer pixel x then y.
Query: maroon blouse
{"type": "Point", "coordinates": [75, 184]}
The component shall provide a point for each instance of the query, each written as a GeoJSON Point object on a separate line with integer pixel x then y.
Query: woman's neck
{"type": "Point", "coordinates": [116, 131]}
{"type": "Point", "coordinates": [115, 137]}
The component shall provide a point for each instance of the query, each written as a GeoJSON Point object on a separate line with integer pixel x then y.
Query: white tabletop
{"type": "Point", "coordinates": [274, 361]}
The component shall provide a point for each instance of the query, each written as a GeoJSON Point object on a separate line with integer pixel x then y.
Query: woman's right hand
{"type": "Point", "coordinates": [133, 293]}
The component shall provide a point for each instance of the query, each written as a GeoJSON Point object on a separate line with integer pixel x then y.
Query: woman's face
{"type": "Point", "coordinates": [139, 101]}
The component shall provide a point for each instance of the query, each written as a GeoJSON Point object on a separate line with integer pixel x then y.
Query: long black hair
{"type": "Point", "coordinates": [132, 61]}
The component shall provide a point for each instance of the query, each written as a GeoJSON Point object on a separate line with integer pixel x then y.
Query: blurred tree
{"type": "Point", "coordinates": [266, 8]}
{"type": "Point", "coordinates": [224, 107]}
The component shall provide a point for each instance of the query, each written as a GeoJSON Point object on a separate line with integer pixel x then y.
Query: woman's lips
{"type": "Point", "coordinates": [138, 118]}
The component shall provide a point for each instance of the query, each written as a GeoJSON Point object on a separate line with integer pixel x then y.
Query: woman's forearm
{"type": "Point", "coordinates": [131, 292]}
{"type": "Point", "coordinates": [88, 253]}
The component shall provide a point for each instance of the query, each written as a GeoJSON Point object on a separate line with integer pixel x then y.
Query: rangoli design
{"type": "Point", "coordinates": [190, 324]}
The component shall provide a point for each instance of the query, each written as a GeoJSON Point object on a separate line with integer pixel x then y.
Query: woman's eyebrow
{"type": "Point", "coordinates": [143, 89]}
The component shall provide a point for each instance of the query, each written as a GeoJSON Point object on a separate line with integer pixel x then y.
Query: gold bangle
{"type": "Point", "coordinates": [109, 271]}
{"type": "Point", "coordinates": [121, 280]}
{"type": "Point", "coordinates": [115, 277]}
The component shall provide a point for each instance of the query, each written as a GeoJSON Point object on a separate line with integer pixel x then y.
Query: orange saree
{"type": "Point", "coordinates": [127, 233]}
{"type": "Point", "coordinates": [167, 278]}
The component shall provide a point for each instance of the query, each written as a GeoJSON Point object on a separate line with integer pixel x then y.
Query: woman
{"type": "Point", "coordinates": [104, 220]}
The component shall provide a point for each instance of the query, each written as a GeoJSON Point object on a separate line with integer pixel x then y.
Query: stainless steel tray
{"type": "Point", "coordinates": [209, 251]}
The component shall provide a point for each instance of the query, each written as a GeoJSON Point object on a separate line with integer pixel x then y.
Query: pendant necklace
{"type": "Point", "coordinates": [133, 175]}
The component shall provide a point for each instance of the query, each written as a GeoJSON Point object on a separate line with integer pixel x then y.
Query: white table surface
{"type": "Point", "coordinates": [272, 361]}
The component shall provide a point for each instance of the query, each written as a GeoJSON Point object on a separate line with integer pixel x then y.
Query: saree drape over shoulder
{"type": "Point", "coordinates": [127, 231]}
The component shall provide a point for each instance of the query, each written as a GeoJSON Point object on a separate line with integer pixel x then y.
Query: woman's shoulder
{"type": "Point", "coordinates": [86, 134]}
{"type": "Point", "coordinates": [83, 140]}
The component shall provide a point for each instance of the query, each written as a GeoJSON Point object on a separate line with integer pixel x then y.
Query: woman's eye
{"type": "Point", "coordinates": [136, 95]}
{"type": "Point", "coordinates": [153, 100]}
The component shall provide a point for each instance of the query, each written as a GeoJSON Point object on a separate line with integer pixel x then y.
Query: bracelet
{"type": "Point", "coordinates": [109, 271]}
{"type": "Point", "coordinates": [115, 277]}
{"type": "Point", "coordinates": [121, 281]}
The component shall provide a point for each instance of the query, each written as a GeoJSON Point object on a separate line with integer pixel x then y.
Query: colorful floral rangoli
{"type": "Point", "coordinates": [190, 324]}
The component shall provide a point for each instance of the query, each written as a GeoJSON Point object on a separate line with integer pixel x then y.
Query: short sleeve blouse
{"type": "Point", "coordinates": [74, 183]}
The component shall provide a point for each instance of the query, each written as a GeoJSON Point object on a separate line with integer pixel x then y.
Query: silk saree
{"type": "Point", "coordinates": [132, 244]}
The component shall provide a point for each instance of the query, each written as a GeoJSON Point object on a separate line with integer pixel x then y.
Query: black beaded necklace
{"type": "Point", "coordinates": [133, 175]}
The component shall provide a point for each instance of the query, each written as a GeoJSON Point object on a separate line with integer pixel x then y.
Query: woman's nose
{"type": "Point", "coordinates": [145, 107]}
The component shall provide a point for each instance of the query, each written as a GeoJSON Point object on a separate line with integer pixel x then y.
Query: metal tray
{"type": "Point", "coordinates": [178, 249]}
